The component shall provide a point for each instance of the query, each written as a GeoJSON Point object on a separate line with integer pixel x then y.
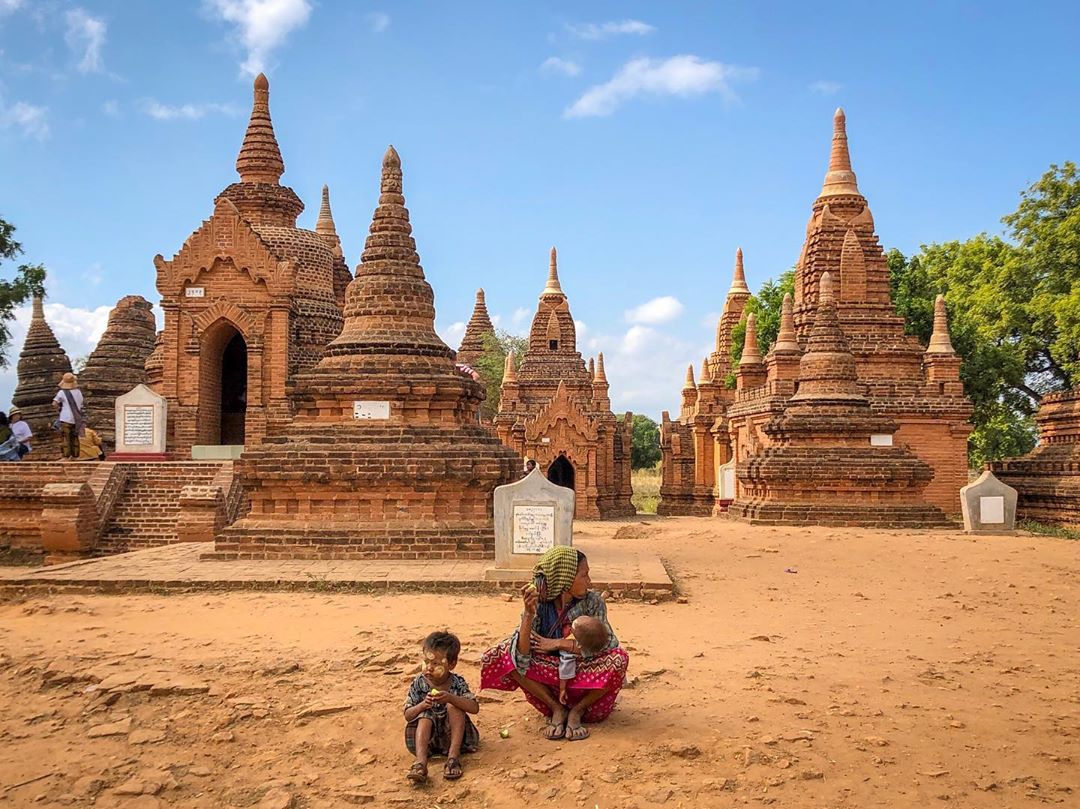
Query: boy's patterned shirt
{"type": "Point", "coordinates": [420, 689]}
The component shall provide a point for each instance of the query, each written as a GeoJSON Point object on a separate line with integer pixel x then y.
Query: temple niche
{"type": "Point", "coordinates": [385, 457]}
{"type": "Point", "coordinates": [916, 390]}
{"type": "Point", "coordinates": [250, 301]}
{"type": "Point", "coordinates": [1047, 479]}
{"type": "Point", "coordinates": [555, 411]}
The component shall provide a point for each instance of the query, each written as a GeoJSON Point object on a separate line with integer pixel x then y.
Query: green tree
{"type": "Point", "coordinates": [29, 280]}
{"type": "Point", "coordinates": [645, 449]}
{"type": "Point", "coordinates": [492, 363]}
{"type": "Point", "coordinates": [765, 306]}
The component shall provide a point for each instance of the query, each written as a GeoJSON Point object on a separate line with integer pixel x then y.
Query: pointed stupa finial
{"type": "Point", "coordinates": [785, 338]}
{"type": "Point", "coordinates": [38, 308]}
{"type": "Point", "coordinates": [738, 280]}
{"type": "Point", "coordinates": [509, 371]}
{"type": "Point", "coordinates": [825, 290]}
{"type": "Point", "coordinates": [260, 160]}
{"type": "Point", "coordinates": [689, 378]}
{"type": "Point", "coordinates": [706, 374]}
{"type": "Point", "coordinates": [480, 300]}
{"type": "Point", "coordinates": [324, 225]}
{"type": "Point", "coordinates": [592, 368]}
{"type": "Point", "coordinates": [840, 179]}
{"type": "Point", "coordinates": [751, 353]}
{"type": "Point", "coordinates": [601, 375]}
{"type": "Point", "coordinates": [939, 340]}
{"type": "Point", "coordinates": [552, 287]}
{"type": "Point", "coordinates": [391, 172]}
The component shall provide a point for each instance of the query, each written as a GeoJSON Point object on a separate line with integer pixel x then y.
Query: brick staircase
{"type": "Point", "coordinates": [146, 513]}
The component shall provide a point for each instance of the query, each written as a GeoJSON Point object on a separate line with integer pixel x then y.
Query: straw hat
{"type": "Point", "coordinates": [14, 412]}
{"type": "Point", "coordinates": [69, 382]}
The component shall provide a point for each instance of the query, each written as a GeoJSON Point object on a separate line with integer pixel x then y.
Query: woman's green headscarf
{"type": "Point", "coordinates": [558, 567]}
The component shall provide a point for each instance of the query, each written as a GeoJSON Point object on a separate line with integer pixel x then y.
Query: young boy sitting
{"type": "Point", "coordinates": [437, 708]}
{"type": "Point", "coordinates": [590, 636]}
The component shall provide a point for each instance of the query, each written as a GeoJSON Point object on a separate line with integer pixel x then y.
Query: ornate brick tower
{"type": "Point", "coordinates": [249, 302]}
{"type": "Point", "coordinates": [325, 227]}
{"type": "Point", "coordinates": [553, 411]}
{"type": "Point", "coordinates": [117, 363]}
{"type": "Point", "coordinates": [479, 325]}
{"type": "Point", "coordinates": [385, 457]}
{"type": "Point", "coordinates": [830, 459]}
{"type": "Point", "coordinates": [41, 365]}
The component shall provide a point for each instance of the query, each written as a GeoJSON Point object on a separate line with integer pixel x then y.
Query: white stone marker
{"type": "Point", "coordinates": [988, 506]}
{"type": "Point", "coordinates": [531, 516]}
{"type": "Point", "coordinates": [140, 423]}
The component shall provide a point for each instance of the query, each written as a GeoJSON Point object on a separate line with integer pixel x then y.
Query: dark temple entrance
{"type": "Point", "coordinates": [561, 472]}
{"type": "Point", "coordinates": [233, 390]}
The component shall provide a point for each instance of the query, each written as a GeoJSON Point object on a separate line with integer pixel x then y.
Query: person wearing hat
{"type": "Point", "coordinates": [69, 401]}
{"type": "Point", "coordinates": [22, 432]}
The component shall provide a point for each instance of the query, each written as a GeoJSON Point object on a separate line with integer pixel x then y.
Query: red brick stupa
{"type": "Point", "coordinates": [386, 457]}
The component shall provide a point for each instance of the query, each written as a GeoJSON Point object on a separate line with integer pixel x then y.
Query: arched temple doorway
{"type": "Point", "coordinates": [561, 472]}
{"type": "Point", "coordinates": [223, 386]}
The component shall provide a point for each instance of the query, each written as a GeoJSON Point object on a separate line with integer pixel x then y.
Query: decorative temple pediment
{"type": "Point", "coordinates": [563, 408]}
{"type": "Point", "coordinates": [222, 309]}
{"type": "Point", "coordinates": [225, 236]}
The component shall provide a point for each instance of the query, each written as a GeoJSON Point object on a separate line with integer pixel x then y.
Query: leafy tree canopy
{"type": "Point", "coordinates": [645, 450]}
{"type": "Point", "coordinates": [29, 280]}
{"type": "Point", "coordinates": [765, 306]}
{"type": "Point", "coordinates": [492, 363]}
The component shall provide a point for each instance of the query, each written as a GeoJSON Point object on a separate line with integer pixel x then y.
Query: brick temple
{"type": "Point", "coordinates": [42, 363]}
{"type": "Point", "coordinates": [711, 450]}
{"type": "Point", "coordinates": [556, 411]}
{"type": "Point", "coordinates": [386, 456]}
{"type": "Point", "coordinates": [1047, 479]}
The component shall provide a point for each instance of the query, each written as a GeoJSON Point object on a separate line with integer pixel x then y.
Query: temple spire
{"type": "Point", "coordinates": [706, 374]}
{"type": "Point", "coordinates": [785, 339]}
{"type": "Point", "coordinates": [840, 179]}
{"type": "Point", "coordinates": [260, 160]}
{"type": "Point", "coordinates": [509, 371]}
{"type": "Point", "coordinates": [38, 310]}
{"type": "Point", "coordinates": [600, 376]}
{"type": "Point", "coordinates": [751, 353]}
{"type": "Point", "coordinates": [552, 287]}
{"type": "Point", "coordinates": [324, 226]}
{"type": "Point", "coordinates": [939, 340]}
{"type": "Point", "coordinates": [689, 384]}
{"type": "Point", "coordinates": [738, 281]}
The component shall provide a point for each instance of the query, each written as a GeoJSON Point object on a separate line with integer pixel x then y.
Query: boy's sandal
{"type": "Point", "coordinates": [452, 769]}
{"type": "Point", "coordinates": [417, 773]}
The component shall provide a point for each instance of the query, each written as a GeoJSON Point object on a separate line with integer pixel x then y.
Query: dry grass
{"type": "Point", "coordinates": [646, 484]}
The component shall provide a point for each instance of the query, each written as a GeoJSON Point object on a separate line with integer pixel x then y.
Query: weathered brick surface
{"type": "Point", "coordinates": [21, 486]}
{"type": "Point", "coordinates": [42, 363]}
{"type": "Point", "coordinates": [417, 485]}
{"type": "Point", "coordinates": [479, 326]}
{"type": "Point", "coordinates": [553, 407]}
{"type": "Point", "coordinates": [918, 389]}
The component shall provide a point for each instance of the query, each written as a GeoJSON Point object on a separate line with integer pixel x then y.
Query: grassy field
{"type": "Point", "coordinates": [646, 483]}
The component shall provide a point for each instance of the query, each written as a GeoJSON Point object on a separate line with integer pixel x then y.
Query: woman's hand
{"type": "Point", "coordinates": [530, 599]}
{"type": "Point", "coordinates": [546, 645]}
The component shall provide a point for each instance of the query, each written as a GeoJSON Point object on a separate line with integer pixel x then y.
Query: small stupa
{"type": "Point", "coordinates": [479, 325]}
{"type": "Point", "coordinates": [41, 365]}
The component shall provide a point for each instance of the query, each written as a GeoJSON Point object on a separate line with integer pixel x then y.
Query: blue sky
{"type": "Point", "coordinates": [645, 140]}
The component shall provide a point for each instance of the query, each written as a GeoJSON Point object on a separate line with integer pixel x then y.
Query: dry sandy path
{"type": "Point", "coordinates": [892, 669]}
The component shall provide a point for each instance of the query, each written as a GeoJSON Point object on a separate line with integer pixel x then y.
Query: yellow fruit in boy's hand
{"type": "Point", "coordinates": [531, 588]}
{"type": "Point", "coordinates": [435, 692]}
{"type": "Point", "coordinates": [505, 733]}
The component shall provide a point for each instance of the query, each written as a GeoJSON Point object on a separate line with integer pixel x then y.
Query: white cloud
{"type": "Point", "coordinates": [8, 6]}
{"type": "Point", "coordinates": [656, 311]}
{"type": "Point", "coordinates": [553, 64]}
{"type": "Point", "coordinates": [85, 36]}
{"type": "Point", "coordinates": [826, 88]}
{"type": "Point", "coordinates": [452, 334]}
{"type": "Point", "coordinates": [379, 21]}
{"type": "Point", "coordinates": [77, 329]}
{"type": "Point", "coordinates": [682, 76]}
{"type": "Point", "coordinates": [111, 108]}
{"type": "Point", "coordinates": [496, 320]}
{"type": "Point", "coordinates": [261, 25]}
{"type": "Point", "coordinates": [521, 314]}
{"type": "Point", "coordinates": [187, 112]}
{"type": "Point", "coordinates": [603, 30]}
{"type": "Point", "coordinates": [30, 119]}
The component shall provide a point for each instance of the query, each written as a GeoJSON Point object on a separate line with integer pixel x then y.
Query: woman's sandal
{"type": "Point", "coordinates": [553, 732]}
{"type": "Point", "coordinates": [576, 734]}
{"type": "Point", "coordinates": [452, 771]}
{"type": "Point", "coordinates": [418, 773]}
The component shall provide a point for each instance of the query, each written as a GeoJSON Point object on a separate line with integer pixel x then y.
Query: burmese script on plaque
{"type": "Point", "coordinates": [534, 529]}
{"type": "Point", "coordinates": [139, 425]}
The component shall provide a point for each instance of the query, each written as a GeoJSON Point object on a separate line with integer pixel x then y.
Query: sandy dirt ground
{"type": "Point", "coordinates": [809, 668]}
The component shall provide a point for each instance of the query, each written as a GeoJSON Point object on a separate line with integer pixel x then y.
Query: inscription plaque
{"type": "Point", "coordinates": [195, 292]}
{"type": "Point", "coordinates": [371, 411]}
{"type": "Point", "coordinates": [534, 528]}
{"type": "Point", "coordinates": [138, 425]}
{"type": "Point", "coordinates": [992, 510]}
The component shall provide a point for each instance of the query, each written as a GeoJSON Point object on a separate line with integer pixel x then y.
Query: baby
{"type": "Point", "coordinates": [591, 636]}
{"type": "Point", "coordinates": [437, 708]}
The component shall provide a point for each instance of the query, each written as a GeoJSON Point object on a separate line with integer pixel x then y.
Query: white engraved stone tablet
{"type": "Point", "coordinates": [992, 509]}
{"type": "Point", "coordinates": [534, 529]}
{"type": "Point", "coordinates": [371, 411]}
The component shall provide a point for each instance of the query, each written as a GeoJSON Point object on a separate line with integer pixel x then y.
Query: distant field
{"type": "Point", "coordinates": [646, 483]}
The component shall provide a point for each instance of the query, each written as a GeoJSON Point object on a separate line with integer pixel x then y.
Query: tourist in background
{"type": "Point", "coordinates": [22, 432]}
{"type": "Point", "coordinates": [69, 401]}
{"type": "Point", "coordinates": [90, 448]}
{"type": "Point", "coordinates": [8, 442]}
